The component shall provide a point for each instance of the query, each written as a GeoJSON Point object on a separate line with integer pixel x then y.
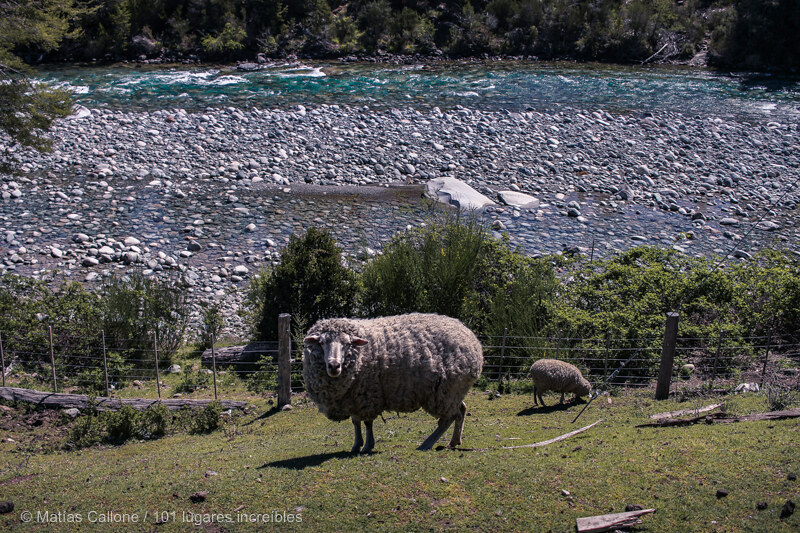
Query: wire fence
{"type": "Point", "coordinates": [62, 362]}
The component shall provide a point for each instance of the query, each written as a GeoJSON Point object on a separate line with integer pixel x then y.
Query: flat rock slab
{"type": "Point", "coordinates": [455, 192]}
{"type": "Point", "coordinates": [518, 199]}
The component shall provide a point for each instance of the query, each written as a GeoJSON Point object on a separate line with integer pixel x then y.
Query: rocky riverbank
{"type": "Point", "coordinates": [209, 198]}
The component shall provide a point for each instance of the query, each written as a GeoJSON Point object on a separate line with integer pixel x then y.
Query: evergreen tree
{"type": "Point", "coordinates": [30, 29]}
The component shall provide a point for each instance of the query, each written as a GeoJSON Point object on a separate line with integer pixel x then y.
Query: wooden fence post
{"type": "Point", "coordinates": [214, 363]}
{"type": "Point", "coordinates": [2, 360]}
{"type": "Point", "coordinates": [667, 356]}
{"type": "Point", "coordinates": [284, 353]}
{"type": "Point", "coordinates": [105, 362]}
{"type": "Point", "coordinates": [766, 359]}
{"type": "Point", "coordinates": [155, 354]}
{"type": "Point", "coordinates": [52, 359]}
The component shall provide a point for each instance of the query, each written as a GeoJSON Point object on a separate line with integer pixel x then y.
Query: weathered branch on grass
{"type": "Point", "coordinates": [557, 439]}
{"type": "Point", "coordinates": [610, 522]}
{"type": "Point", "coordinates": [54, 400]}
{"type": "Point", "coordinates": [674, 414]}
{"type": "Point", "coordinates": [722, 418]}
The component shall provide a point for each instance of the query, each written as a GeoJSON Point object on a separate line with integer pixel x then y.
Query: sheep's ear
{"type": "Point", "coordinates": [311, 339]}
{"type": "Point", "coordinates": [358, 341]}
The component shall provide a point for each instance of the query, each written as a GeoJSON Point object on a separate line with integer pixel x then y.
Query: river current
{"type": "Point", "coordinates": [510, 85]}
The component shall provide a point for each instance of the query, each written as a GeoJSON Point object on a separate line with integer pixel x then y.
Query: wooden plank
{"type": "Point", "coordinates": [55, 400]}
{"type": "Point", "coordinates": [557, 439]}
{"type": "Point", "coordinates": [674, 414]}
{"type": "Point", "coordinates": [610, 522]}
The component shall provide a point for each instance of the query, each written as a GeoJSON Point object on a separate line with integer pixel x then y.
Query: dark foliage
{"type": "Point", "coordinates": [753, 34]}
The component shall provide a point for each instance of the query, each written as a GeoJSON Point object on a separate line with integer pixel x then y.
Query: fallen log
{"type": "Point", "coordinates": [610, 522]}
{"type": "Point", "coordinates": [674, 414]}
{"type": "Point", "coordinates": [557, 439]}
{"type": "Point", "coordinates": [53, 400]}
{"type": "Point", "coordinates": [722, 418]}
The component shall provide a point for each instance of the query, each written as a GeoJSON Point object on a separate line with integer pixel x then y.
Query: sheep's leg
{"type": "Point", "coordinates": [539, 394]}
{"type": "Point", "coordinates": [561, 401]}
{"type": "Point", "coordinates": [370, 437]}
{"type": "Point", "coordinates": [440, 430]}
{"type": "Point", "coordinates": [535, 396]}
{"type": "Point", "coordinates": [458, 428]}
{"type": "Point", "coordinates": [359, 439]}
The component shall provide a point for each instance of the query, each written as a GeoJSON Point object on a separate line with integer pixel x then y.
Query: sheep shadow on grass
{"type": "Point", "coordinates": [264, 416]}
{"type": "Point", "coordinates": [552, 408]}
{"type": "Point", "coordinates": [300, 463]}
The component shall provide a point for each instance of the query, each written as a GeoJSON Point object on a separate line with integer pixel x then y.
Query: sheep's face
{"type": "Point", "coordinates": [583, 388]}
{"type": "Point", "coordinates": [334, 348]}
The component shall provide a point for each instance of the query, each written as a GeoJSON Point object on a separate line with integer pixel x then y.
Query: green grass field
{"type": "Point", "coordinates": [272, 464]}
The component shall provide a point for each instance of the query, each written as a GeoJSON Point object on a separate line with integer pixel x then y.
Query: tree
{"type": "Point", "coordinates": [310, 282]}
{"type": "Point", "coordinates": [31, 28]}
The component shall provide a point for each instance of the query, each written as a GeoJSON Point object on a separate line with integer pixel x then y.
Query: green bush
{"type": "Point", "coordinates": [192, 381]}
{"type": "Point", "coordinates": [265, 378]}
{"type": "Point", "coordinates": [309, 281]}
{"type": "Point", "coordinates": [154, 422]}
{"type": "Point", "coordinates": [87, 431]}
{"type": "Point", "coordinates": [212, 324]}
{"type": "Point", "coordinates": [122, 425]}
{"type": "Point", "coordinates": [431, 269]}
{"type": "Point", "coordinates": [92, 380]}
{"type": "Point", "coordinates": [453, 266]}
{"type": "Point", "coordinates": [29, 306]}
{"type": "Point", "coordinates": [207, 419]}
{"type": "Point", "coordinates": [134, 308]}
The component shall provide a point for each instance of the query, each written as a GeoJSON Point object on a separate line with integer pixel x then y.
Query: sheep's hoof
{"type": "Point", "coordinates": [355, 449]}
{"type": "Point", "coordinates": [424, 448]}
{"type": "Point", "coordinates": [365, 450]}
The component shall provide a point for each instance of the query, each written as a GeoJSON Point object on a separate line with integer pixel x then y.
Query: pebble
{"type": "Point", "coordinates": [216, 189]}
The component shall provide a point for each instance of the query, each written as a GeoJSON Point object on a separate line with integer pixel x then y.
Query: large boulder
{"type": "Point", "coordinates": [142, 44]}
{"type": "Point", "coordinates": [455, 192]}
{"type": "Point", "coordinates": [518, 199]}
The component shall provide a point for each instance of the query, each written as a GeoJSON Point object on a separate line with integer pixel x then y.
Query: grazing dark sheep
{"type": "Point", "coordinates": [557, 376]}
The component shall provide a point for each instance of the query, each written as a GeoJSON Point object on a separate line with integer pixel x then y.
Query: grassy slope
{"type": "Point", "coordinates": [294, 460]}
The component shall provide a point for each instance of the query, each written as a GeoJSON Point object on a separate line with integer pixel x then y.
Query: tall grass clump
{"type": "Point", "coordinates": [454, 266]}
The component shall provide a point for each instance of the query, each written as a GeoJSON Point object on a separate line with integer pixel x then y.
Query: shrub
{"type": "Point", "coordinates": [212, 324]}
{"type": "Point", "coordinates": [207, 419]}
{"type": "Point", "coordinates": [310, 281]}
{"type": "Point", "coordinates": [92, 380]}
{"type": "Point", "coordinates": [229, 41]}
{"type": "Point", "coordinates": [29, 306]}
{"type": "Point", "coordinates": [135, 307]}
{"type": "Point", "coordinates": [122, 425]}
{"type": "Point", "coordinates": [117, 427]}
{"type": "Point", "coordinates": [154, 421]}
{"type": "Point", "coordinates": [264, 379]}
{"type": "Point", "coordinates": [87, 431]}
{"type": "Point", "coordinates": [431, 269]}
{"type": "Point", "coordinates": [454, 267]}
{"type": "Point", "coordinates": [192, 381]}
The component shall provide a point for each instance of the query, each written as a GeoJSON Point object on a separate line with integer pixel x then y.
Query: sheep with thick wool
{"type": "Point", "coordinates": [358, 368]}
{"type": "Point", "coordinates": [557, 376]}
